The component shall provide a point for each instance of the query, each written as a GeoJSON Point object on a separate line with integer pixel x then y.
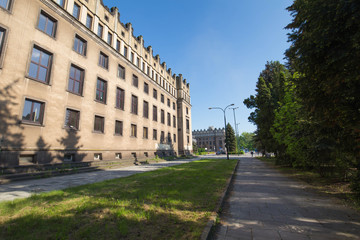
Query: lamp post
{"type": "Point", "coordinates": [227, 152]}
{"type": "Point", "coordinates": [236, 131]}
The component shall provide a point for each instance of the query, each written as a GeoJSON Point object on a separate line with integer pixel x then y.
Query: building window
{"type": "Point", "coordinates": [120, 98]}
{"type": "Point", "coordinates": [125, 52]}
{"type": "Point", "coordinates": [27, 159]}
{"type": "Point", "coordinates": [143, 66]}
{"type": "Point", "coordinates": [76, 80]}
{"type": "Point", "coordinates": [118, 45]}
{"type": "Point", "coordinates": [187, 125]}
{"type": "Point", "coordinates": [168, 119]}
{"type": "Point", "coordinates": [155, 93]}
{"type": "Point", "coordinates": [174, 106]}
{"type": "Point", "coordinates": [5, 4]}
{"type": "Point", "coordinates": [162, 98]}
{"type": "Point", "coordinates": [47, 24]}
{"type": "Point", "coordinates": [100, 30]}
{"type": "Point", "coordinates": [121, 72]}
{"type": "Point", "coordinates": [98, 156]}
{"type": "Point", "coordinates": [104, 60]}
{"type": "Point", "coordinates": [118, 155]}
{"type": "Point", "coordinates": [33, 111]}
{"type": "Point", "coordinates": [154, 134]}
{"type": "Point", "coordinates": [162, 136]}
{"type": "Point", "coordinates": [101, 87]}
{"type": "Point", "coordinates": [169, 138]}
{"type": "Point", "coordinates": [145, 133]}
{"type": "Point", "coordinates": [146, 109]}
{"type": "Point", "coordinates": [138, 62]}
{"type": "Point", "coordinates": [62, 3]}
{"type": "Point", "coordinates": [2, 40]}
{"type": "Point", "coordinates": [135, 81]}
{"type": "Point", "coordinates": [133, 130]}
{"type": "Point", "coordinates": [146, 88]}
{"type": "Point", "coordinates": [76, 11]}
{"type": "Point", "coordinates": [168, 102]}
{"type": "Point", "coordinates": [174, 121]}
{"type": "Point", "coordinates": [132, 57]}
{"type": "Point", "coordinates": [40, 65]}
{"type": "Point", "coordinates": [148, 71]}
{"type": "Point", "coordinates": [72, 119]}
{"type": "Point", "coordinates": [118, 127]}
{"type": "Point", "coordinates": [134, 104]}
{"type": "Point", "coordinates": [99, 124]}
{"type": "Point", "coordinates": [80, 45]}
{"type": "Point", "coordinates": [89, 21]}
{"type": "Point", "coordinates": [162, 116]}
{"type": "Point", "coordinates": [109, 38]}
{"type": "Point", "coordinates": [188, 139]}
{"type": "Point", "coordinates": [174, 137]}
{"type": "Point", "coordinates": [187, 111]}
{"type": "Point", "coordinates": [155, 113]}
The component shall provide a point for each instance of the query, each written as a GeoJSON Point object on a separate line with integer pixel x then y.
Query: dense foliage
{"type": "Point", "coordinates": [246, 141]}
{"type": "Point", "coordinates": [230, 139]}
{"type": "Point", "coordinates": [308, 113]}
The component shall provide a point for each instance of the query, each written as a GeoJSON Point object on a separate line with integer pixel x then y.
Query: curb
{"type": "Point", "coordinates": [211, 223]}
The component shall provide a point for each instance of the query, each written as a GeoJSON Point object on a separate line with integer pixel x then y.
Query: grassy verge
{"type": "Point", "coordinates": [325, 185]}
{"type": "Point", "coordinates": [170, 203]}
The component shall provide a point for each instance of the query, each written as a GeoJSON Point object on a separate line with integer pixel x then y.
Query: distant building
{"type": "Point", "coordinates": [212, 139]}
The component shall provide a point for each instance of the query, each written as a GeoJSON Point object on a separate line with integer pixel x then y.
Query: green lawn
{"type": "Point", "coordinates": [170, 203]}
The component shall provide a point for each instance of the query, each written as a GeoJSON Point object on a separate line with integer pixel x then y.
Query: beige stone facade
{"type": "Point", "coordinates": [76, 85]}
{"type": "Point", "coordinates": [213, 139]}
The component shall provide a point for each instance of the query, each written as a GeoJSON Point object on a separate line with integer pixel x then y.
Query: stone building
{"type": "Point", "coordinates": [212, 139]}
{"type": "Point", "coordinates": [77, 85]}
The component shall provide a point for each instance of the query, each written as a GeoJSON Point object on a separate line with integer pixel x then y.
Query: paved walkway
{"type": "Point", "coordinates": [264, 204]}
{"type": "Point", "coordinates": [22, 189]}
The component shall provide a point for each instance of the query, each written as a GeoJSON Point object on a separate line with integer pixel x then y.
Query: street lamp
{"type": "Point", "coordinates": [236, 130]}
{"type": "Point", "coordinates": [227, 152]}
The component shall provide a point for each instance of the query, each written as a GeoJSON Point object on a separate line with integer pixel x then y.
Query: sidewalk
{"type": "Point", "coordinates": [23, 189]}
{"type": "Point", "coordinates": [264, 204]}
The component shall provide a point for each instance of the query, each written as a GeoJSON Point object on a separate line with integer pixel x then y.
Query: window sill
{"type": "Point", "coordinates": [98, 101]}
{"type": "Point", "coordinates": [80, 95]}
{"type": "Point", "coordinates": [98, 132]}
{"type": "Point", "coordinates": [36, 80]}
{"type": "Point", "coordinates": [118, 135]}
{"type": "Point", "coordinates": [31, 123]}
{"type": "Point", "coordinates": [53, 37]}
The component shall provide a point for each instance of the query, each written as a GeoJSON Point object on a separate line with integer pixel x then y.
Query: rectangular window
{"type": "Point", "coordinates": [118, 127]}
{"type": "Point", "coordinates": [174, 106]}
{"type": "Point", "coordinates": [2, 40]}
{"type": "Point", "coordinates": [33, 111]}
{"type": "Point", "coordinates": [146, 88]}
{"type": "Point", "coordinates": [143, 66]}
{"type": "Point", "coordinates": [120, 98]}
{"type": "Point", "coordinates": [109, 38]}
{"type": "Point", "coordinates": [188, 139]}
{"type": "Point", "coordinates": [168, 119]}
{"type": "Point", "coordinates": [103, 60]}
{"type": "Point", "coordinates": [62, 3]}
{"type": "Point", "coordinates": [89, 21]}
{"type": "Point", "coordinates": [100, 30]}
{"type": "Point", "coordinates": [134, 104]}
{"type": "Point", "coordinates": [138, 62]}
{"type": "Point", "coordinates": [76, 11]}
{"type": "Point", "coordinates": [99, 124]}
{"type": "Point", "coordinates": [40, 65]}
{"type": "Point", "coordinates": [145, 133]}
{"type": "Point", "coordinates": [121, 72]}
{"type": "Point", "coordinates": [146, 109]}
{"type": "Point", "coordinates": [168, 102]}
{"type": "Point", "coordinates": [187, 125]}
{"type": "Point", "coordinates": [152, 74]}
{"type": "Point", "coordinates": [187, 111]}
{"type": "Point", "coordinates": [148, 71]}
{"type": "Point", "coordinates": [125, 52]}
{"type": "Point", "coordinates": [162, 116]}
{"type": "Point", "coordinates": [101, 88]}
{"type": "Point", "coordinates": [72, 119]}
{"type": "Point", "coordinates": [155, 93]}
{"type": "Point", "coordinates": [162, 98]}
{"type": "Point", "coordinates": [76, 80]}
{"type": "Point", "coordinates": [169, 138]}
{"type": "Point", "coordinates": [46, 24]}
{"type": "Point", "coordinates": [174, 137]}
{"type": "Point", "coordinates": [133, 130]}
{"type": "Point", "coordinates": [135, 81]}
{"type": "Point", "coordinates": [174, 121]}
{"type": "Point", "coordinates": [118, 155]}
{"type": "Point", "coordinates": [97, 156]}
{"type": "Point", "coordinates": [118, 45]}
{"type": "Point", "coordinates": [132, 57]}
{"type": "Point", "coordinates": [162, 136]}
{"type": "Point", "coordinates": [155, 113]}
{"type": "Point", "coordinates": [154, 134]}
{"type": "Point", "coordinates": [80, 45]}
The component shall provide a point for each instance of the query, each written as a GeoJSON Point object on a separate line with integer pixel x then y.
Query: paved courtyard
{"type": "Point", "coordinates": [264, 204]}
{"type": "Point", "coordinates": [22, 189]}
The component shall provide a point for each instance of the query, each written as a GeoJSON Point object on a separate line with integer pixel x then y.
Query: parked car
{"type": "Point", "coordinates": [220, 152]}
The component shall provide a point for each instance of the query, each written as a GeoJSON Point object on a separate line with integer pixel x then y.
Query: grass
{"type": "Point", "coordinates": [169, 203]}
{"type": "Point", "coordinates": [324, 185]}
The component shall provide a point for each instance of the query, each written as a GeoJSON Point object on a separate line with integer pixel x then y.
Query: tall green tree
{"type": "Point", "coordinates": [269, 91]}
{"type": "Point", "coordinates": [246, 141]}
{"type": "Point", "coordinates": [325, 48]}
{"type": "Point", "coordinates": [230, 138]}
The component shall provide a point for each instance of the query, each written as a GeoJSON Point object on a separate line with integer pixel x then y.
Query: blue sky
{"type": "Point", "coordinates": [220, 47]}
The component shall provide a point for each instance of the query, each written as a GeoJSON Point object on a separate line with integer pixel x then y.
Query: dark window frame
{"type": "Point", "coordinates": [77, 119]}
{"type": "Point", "coordinates": [146, 88]}
{"type": "Point", "coordinates": [48, 18]}
{"type": "Point", "coordinates": [100, 34]}
{"type": "Point", "coordinates": [134, 104]}
{"type": "Point", "coordinates": [154, 93]}
{"type": "Point", "coordinates": [77, 47]}
{"type": "Point", "coordinates": [39, 65]}
{"type": "Point", "coordinates": [100, 91]}
{"type": "Point", "coordinates": [162, 116]}
{"type": "Point", "coordinates": [119, 128]}
{"type": "Point", "coordinates": [145, 132]}
{"type": "Point", "coordinates": [154, 113]}
{"type": "Point", "coordinates": [103, 60]}
{"type": "Point", "coordinates": [78, 13]}
{"type": "Point", "coordinates": [88, 16]}
{"type": "Point", "coordinates": [120, 98]}
{"type": "Point", "coordinates": [145, 109]}
{"type": "Point", "coordinates": [154, 134]}
{"type": "Point", "coordinates": [121, 72]}
{"type": "Point", "coordinates": [31, 116]}
{"type": "Point", "coordinates": [135, 81]}
{"type": "Point", "coordinates": [133, 130]}
{"type": "Point", "coordinates": [8, 7]}
{"type": "Point", "coordinates": [74, 80]}
{"type": "Point", "coordinates": [100, 124]}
